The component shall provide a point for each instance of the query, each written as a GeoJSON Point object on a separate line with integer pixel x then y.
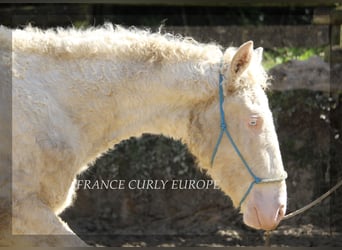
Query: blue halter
{"type": "Point", "coordinates": [224, 130]}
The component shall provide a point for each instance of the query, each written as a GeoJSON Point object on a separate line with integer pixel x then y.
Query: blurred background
{"type": "Point", "coordinates": [302, 43]}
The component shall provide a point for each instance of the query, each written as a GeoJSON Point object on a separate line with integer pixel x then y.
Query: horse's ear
{"type": "Point", "coordinates": [238, 65]}
{"type": "Point", "coordinates": [258, 53]}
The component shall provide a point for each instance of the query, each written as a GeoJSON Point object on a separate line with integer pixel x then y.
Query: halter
{"type": "Point", "coordinates": [224, 130]}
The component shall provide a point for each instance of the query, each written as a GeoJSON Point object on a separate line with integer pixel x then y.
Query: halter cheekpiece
{"type": "Point", "coordinates": [224, 130]}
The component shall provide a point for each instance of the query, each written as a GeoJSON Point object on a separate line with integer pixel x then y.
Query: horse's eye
{"type": "Point", "coordinates": [253, 121]}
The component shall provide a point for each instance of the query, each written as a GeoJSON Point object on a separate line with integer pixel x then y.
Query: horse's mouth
{"type": "Point", "coordinates": [262, 225]}
{"type": "Point", "coordinates": [257, 216]}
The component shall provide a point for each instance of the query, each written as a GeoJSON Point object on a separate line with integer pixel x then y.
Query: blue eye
{"type": "Point", "coordinates": [253, 120]}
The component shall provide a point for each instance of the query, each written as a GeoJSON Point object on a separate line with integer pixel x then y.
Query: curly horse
{"type": "Point", "coordinates": [77, 92]}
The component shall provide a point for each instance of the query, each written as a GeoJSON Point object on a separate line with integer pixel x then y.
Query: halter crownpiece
{"type": "Point", "coordinates": [224, 130]}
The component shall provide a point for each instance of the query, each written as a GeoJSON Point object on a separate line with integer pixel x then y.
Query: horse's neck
{"type": "Point", "coordinates": [120, 100]}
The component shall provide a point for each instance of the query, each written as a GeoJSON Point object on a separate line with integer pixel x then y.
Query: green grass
{"type": "Point", "coordinates": [273, 57]}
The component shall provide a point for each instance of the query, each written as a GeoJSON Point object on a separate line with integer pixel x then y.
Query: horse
{"type": "Point", "coordinates": [77, 92]}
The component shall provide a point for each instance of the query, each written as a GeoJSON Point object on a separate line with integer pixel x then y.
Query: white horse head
{"type": "Point", "coordinates": [248, 165]}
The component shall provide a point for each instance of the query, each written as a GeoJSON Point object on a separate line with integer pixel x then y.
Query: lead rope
{"type": "Point", "coordinates": [267, 234]}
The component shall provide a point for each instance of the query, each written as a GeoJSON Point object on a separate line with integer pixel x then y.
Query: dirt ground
{"type": "Point", "coordinates": [284, 236]}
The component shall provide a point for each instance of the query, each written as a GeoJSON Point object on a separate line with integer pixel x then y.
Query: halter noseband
{"type": "Point", "coordinates": [224, 130]}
